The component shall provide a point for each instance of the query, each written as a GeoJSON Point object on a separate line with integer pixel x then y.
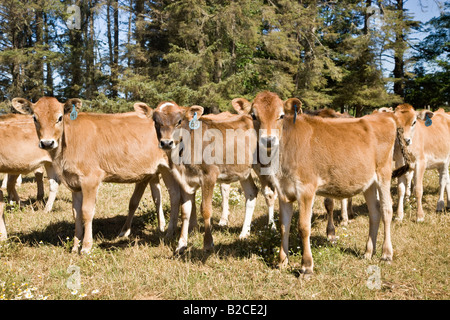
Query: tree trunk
{"type": "Point", "coordinates": [399, 50]}
{"type": "Point", "coordinates": [115, 60]}
{"type": "Point", "coordinates": [38, 91]}
{"type": "Point", "coordinates": [48, 65]}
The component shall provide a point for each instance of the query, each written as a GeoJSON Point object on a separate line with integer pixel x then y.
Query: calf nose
{"type": "Point", "coordinates": [166, 144]}
{"type": "Point", "coordinates": [269, 141]}
{"type": "Point", "coordinates": [47, 144]}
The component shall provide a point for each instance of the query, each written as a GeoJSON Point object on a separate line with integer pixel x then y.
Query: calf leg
{"type": "Point", "coordinates": [139, 190]}
{"type": "Point", "coordinates": [251, 192]}
{"type": "Point", "coordinates": [386, 215]}
{"type": "Point", "coordinates": [370, 196]}
{"type": "Point", "coordinates": [4, 181]}
{"type": "Point", "coordinates": [175, 197]}
{"type": "Point", "coordinates": [3, 234]}
{"type": "Point", "coordinates": [329, 206]}
{"type": "Point", "coordinates": [409, 178]}
{"type": "Point", "coordinates": [87, 214]}
{"type": "Point", "coordinates": [401, 188]}
{"type": "Point", "coordinates": [225, 192]}
{"type": "Point", "coordinates": [155, 188]}
{"type": "Point", "coordinates": [344, 213]}
{"type": "Point", "coordinates": [187, 202]}
{"type": "Point", "coordinates": [444, 184]}
{"type": "Point", "coordinates": [77, 202]}
{"type": "Point", "coordinates": [418, 188]}
{"type": "Point", "coordinates": [270, 195]}
{"type": "Point", "coordinates": [447, 189]}
{"type": "Point", "coordinates": [206, 208]}
{"type": "Point", "coordinates": [11, 188]}
{"type": "Point", "coordinates": [39, 175]}
{"type": "Point", "coordinates": [286, 211]}
{"type": "Point", "coordinates": [54, 186]}
{"type": "Point", "coordinates": [350, 212]}
{"type": "Point", "coordinates": [304, 227]}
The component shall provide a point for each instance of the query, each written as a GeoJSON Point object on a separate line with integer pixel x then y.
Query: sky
{"type": "Point", "coordinates": [423, 10]}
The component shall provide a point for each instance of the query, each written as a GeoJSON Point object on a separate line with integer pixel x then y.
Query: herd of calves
{"type": "Point", "coordinates": [295, 153]}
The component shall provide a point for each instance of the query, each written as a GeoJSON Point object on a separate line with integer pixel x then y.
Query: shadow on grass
{"type": "Point", "coordinates": [263, 242]}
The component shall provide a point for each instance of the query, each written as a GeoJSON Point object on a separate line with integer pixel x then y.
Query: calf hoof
{"type": "Point", "coordinates": [125, 233]}
{"type": "Point", "coordinates": [223, 222]}
{"type": "Point", "coordinates": [86, 251]}
{"type": "Point", "coordinates": [306, 274]}
{"type": "Point", "coordinates": [367, 256]}
{"type": "Point", "coordinates": [399, 219]}
{"type": "Point", "coordinates": [208, 248]}
{"type": "Point", "coordinates": [420, 220]}
{"type": "Point", "coordinates": [332, 239]}
{"type": "Point", "coordinates": [244, 235]}
{"type": "Point", "coordinates": [283, 264]}
{"type": "Point", "coordinates": [170, 234]}
{"type": "Point", "coordinates": [180, 250]}
{"type": "Point", "coordinates": [343, 223]}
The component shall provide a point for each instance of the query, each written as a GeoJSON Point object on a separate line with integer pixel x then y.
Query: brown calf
{"type": "Point", "coordinates": [200, 157]}
{"type": "Point", "coordinates": [346, 204]}
{"type": "Point", "coordinates": [335, 158]}
{"type": "Point", "coordinates": [20, 154]}
{"type": "Point", "coordinates": [429, 148]}
{"type": "Point", "coordinates": [96, 148]}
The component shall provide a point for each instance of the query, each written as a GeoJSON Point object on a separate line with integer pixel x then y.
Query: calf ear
{"type": "Point", "coordinates": [241, 105]}
{"type": "Point", "coordinates": [22, 105]}
{"type": "Point", "coordinates": [291, 104]}
{"type": "Point", "coordinates": [71, 103]}
{"type": "Point", "coordinates": [384, 109]}
{"type": "Point", "coordinates": [424, 113]}
{"type": "Point", "coordinates": [192, 110]}
{"type": "Point", "coordinates": [143, 110]}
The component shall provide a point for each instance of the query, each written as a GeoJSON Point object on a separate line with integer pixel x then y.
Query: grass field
{"type": "Point", "coordinates": [36, 262]}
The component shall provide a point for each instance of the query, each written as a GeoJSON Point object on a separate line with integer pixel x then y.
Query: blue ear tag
{"type": "Point", "coordinates": [295, 112]}
{"type": "Point", "coordinates": [74, 113]}
{"type": "Point", "coordinates": [428, 121]}
{"type": "Point", "coordinates": [194, 123]}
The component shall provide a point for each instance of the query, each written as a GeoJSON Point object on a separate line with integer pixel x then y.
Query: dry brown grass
{"type": "Point", "coordinates": [35, 259]}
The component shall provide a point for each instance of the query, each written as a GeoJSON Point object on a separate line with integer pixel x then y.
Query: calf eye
{"type": "Point", "coordinates": [253, 116]}
{"type": "Point", "coordinates": [35, 119]}
{"type": "Point", "coordinates": [414, 122]}
{"type": "Point", "coordinates": [59, 119]}
{"type": "Point", "coordinates": [179, 123]}
{"type": "Point", "coordinates": [281, 116]}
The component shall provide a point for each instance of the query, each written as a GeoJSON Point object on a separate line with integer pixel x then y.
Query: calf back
{"type": "Point", "coordinates": [19, 151]}
{"type": "Point", "coordinates": [339, 157]}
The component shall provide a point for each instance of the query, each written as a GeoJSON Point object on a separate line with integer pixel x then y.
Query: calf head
{"type": "Point", "coordinates": [170, 119]}
{"type": "Point", "coordinates": [48, 115]}
{"type": "Point", "coordinates": [407, 118]}
{"type": "Point", "coordinates": [268, 112]}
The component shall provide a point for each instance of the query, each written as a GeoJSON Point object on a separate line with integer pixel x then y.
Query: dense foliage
{"type": "Point", "coordinates": [207, 52]}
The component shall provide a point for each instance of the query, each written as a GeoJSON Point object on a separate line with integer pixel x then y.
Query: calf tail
{"type": "Point", "coordinates": [400, 171]}
{"type": "Point", "coordinates": [405, 153]}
